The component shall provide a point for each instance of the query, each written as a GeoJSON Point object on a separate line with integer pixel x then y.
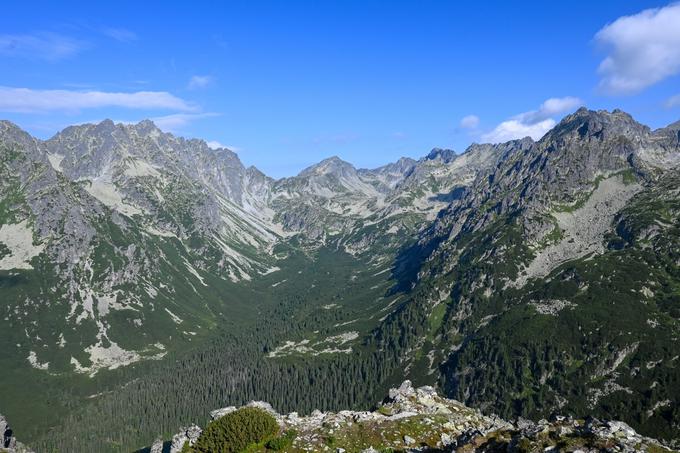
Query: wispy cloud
{"type": "Point", "coordinates": [643, 49]}
{"type": "Point", "coordinates": [26, 100]}
{"type": "Point", "coordinates": [196, 82]}
{"type": "Point", "coordinates": [120, 34]}
{"type": "Point", "coordinates": [534, 123]}
{"type": "Point", "coordinates": [177, 121]}
{"type": "Point", "coordinates": [673, 101]}
{"type": "Point", "coordinates": [45, 46]}
{"type": "Point", "coordinates": [214, 144]}
{"type": "Point", "coordinates": [469, 122]}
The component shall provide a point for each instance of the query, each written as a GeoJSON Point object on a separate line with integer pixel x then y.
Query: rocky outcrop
{"type": "Point", "coordinates": [9, 443]}
{"type": "Point", "coordinates": [185, 435]}
{"type": "Point", "coordinates": [418, 419]}
{"type": "Point", "coordinates": [157, 446]}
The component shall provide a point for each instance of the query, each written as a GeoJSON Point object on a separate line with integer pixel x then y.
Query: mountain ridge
{"type": "Point", "coordinates": [418, 268]}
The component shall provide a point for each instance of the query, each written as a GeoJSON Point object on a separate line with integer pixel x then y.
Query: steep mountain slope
{"type": "Point", "coordinates": [551, 285]}
{"type": "Point", "coordinates": [108, 228]}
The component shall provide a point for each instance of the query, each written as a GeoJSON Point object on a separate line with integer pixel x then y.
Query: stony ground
{"type": "Point", "coordinates": [420, 420]}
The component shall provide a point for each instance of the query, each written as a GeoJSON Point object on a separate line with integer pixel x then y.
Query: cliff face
{"type": "Point", "coordinates": [419, 419]}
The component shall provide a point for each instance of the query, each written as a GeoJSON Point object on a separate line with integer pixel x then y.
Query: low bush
{"type": "Point", "coordinates": [236, 431]}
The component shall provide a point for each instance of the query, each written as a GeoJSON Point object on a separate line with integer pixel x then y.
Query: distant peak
{"type": "Point", "coordinates": [6, 125]}
{"type": "Point", "coordinates": [445, 155]}
{"type": "Point", "coordinates": [334, 160]}
{"type": "Point", "coordinates": [583, 112]}
{"type": "Point", "coordinates": [146, 126]}
{"type": "Point", "coordinates": [330, 165]}
{"type": "Point", "coordinates": [106, 124]}
{"type": "Point", "coordinates": [596, 123]}
{"type": "Point", "coordinates": [146, 123]}
{"type": "Point", "coordinates": [10, 131]}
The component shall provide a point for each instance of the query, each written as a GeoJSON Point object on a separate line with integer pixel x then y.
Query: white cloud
{"type": "Point", "coordinates": [534, 123]}
{"type": "Point", "coordinates": [643, 49]}
{"type": "Point", "coordinates": [514, 129]}
{"type": "Point", "coordinates": [41, 46]}
{"type": "Point", "coordinates": [120, 34]}
{"type": "Point", "coordinates": [26, 100]}
{"type": "Point", "coordinates": [176, 121]}
{"type": "Point", "coordinates": [214, 144]}
{"type": "Point", "coordinates": [469, 122]}
{"type": "Point", "coordinates": [550, 108]}
{"type": "Point", "coordinates": [673, 101]}
{"type": "Point", "coordinates": [197, 82]}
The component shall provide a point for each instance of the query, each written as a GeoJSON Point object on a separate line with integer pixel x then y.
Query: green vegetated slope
{"type": "Point", "coordinates": [314, 303]}
{"type": "Point", "coordinates": [610, 347]}
{"type": "Point", "coordinates": [594, 332]}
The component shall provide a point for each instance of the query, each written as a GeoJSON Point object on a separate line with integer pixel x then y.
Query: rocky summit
{"type": "Point", "coordinates": [412, 420]}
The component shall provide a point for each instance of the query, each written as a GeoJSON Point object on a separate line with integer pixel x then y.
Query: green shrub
{"type": "Point", "coordinates": [236, 431]}
{"type": "Point", "coordinates": [282, 442]}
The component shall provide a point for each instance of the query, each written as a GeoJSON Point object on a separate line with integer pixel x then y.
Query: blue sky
{"type": "Point", "coordinates": [286, 84]}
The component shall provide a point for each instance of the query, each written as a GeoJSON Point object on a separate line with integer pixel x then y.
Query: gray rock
{"type": "Point", "coordinates": [404, 391]}
{"type": "Point", "coordinates": [190, 435]}
{"type": "Point", "coordinates": [157, 446]}
{"type": "Point", "coordinates": [219, 413]}
{"type": "Point", "coordinates": [8, 441]}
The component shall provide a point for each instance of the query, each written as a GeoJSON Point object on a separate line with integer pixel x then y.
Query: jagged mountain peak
{"type": "Point", "coordinates": [11, 133]}
{"type": "Point", "coordinates": [8, 125]}
{"type": "Point", "coordinates": [106, 123]}
{"type": "Point", "coordinates": [443, 154]}
{"type": "Point", "coordinates": [402, 166]}
{"type": "Point", "coordinates": [596, 124]}
{"type": "Point", "coordinates": [146, 125]}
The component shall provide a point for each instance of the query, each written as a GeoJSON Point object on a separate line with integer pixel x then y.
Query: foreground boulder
{"type": "Point", "coordinates": [9, 443]}
{"type": "Point", "coordinates": [411, 419]}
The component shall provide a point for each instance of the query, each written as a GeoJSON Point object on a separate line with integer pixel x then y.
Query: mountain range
{"type": "Point", "coordinates": [521, 278]}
